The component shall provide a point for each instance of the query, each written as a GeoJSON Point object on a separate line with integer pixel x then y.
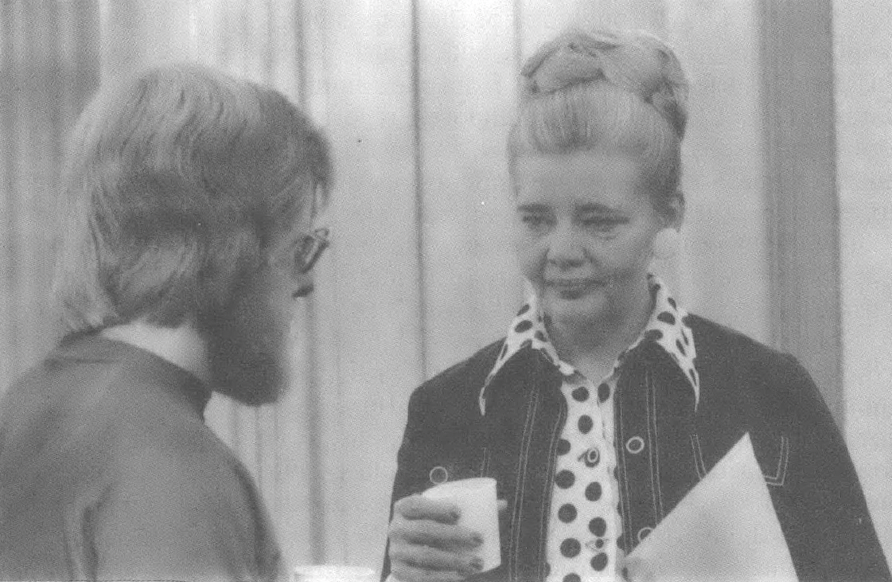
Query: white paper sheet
{"type": "Point", "coordinates": [725, 529]}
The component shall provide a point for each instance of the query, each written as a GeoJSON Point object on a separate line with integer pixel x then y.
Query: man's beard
{"type": "Point", "coordinates": [247, 342]}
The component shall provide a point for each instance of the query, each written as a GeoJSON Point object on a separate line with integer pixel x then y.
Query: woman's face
{"type": "Point", "coordinates": [584, 236]}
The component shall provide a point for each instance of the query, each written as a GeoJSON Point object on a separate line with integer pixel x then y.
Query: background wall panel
{"type": "Point", "coordinates": [7, 160]}
{"type": "Point", "coordinates": [466, 94]}
{"type": "Point", "coordinates": [722, 272]}
{"type": "Point", "coordinates": [800, 182]}
{"type": "Point", "coordinates": [31, 133]}
{"type": "Point", "coordinates": [316, 330]}
{"type": "Point", "coordinates": [370, 119]}
{"type": "Point", "coordinates": [48, 68]}
{"type": "Point", "coordinates": [863, 104]}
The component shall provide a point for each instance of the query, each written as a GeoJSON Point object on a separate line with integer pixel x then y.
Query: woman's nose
{"type": "Point", "coordinates": [565, 246]}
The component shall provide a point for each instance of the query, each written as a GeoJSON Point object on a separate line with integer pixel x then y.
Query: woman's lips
{"type": "Point", "coordinates": [573, 287]}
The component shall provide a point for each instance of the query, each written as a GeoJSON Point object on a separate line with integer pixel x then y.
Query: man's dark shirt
{"type": "Point", "coordinates": [107, 471]}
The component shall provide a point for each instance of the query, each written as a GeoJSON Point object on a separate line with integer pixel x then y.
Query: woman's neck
{"type": "Point", "coordinates": [592, 346]}
{"type": "Point", "coordinates": [181, 346]}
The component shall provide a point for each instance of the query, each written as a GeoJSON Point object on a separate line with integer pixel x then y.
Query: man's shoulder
{"type": "Point", "coordinates": [202, 465]}
{"type": "Point", "coordinates": [93, 413]}
{"type": "Point", "coordinates": [94, 438]}
{"type": "Point", "coordinates": [176, 459]}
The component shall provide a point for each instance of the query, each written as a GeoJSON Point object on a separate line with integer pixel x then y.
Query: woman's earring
{"type": "Point", "coordinates": [666, 243]}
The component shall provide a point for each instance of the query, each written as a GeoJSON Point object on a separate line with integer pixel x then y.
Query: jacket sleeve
{"type": "Point", "coordinates": [410, 453]}
{"type": "Point", "coordinates": [822, 508]}
{"type": "Point", "coordinates": [442, 440]}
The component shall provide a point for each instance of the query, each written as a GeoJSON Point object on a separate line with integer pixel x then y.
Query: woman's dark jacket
{"type": "Point", "coordinates": [744, 387]}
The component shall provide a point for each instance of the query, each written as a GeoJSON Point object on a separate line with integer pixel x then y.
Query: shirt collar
{"type": "Point", "coordinates": [666, 327]}
{"type": "Point", "coordinates": [140, 364]}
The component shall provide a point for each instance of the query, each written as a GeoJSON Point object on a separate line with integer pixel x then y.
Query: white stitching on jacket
{"type": "Point", "coordinates": [555, 435]}
{"type": "Point", "coordinates": [651, 403]}
{"type": "Point", "coordinates": [519, 486]}
{"type": "Point", "coordinates": [699, 465]}
{"type": "Point", "coordinates": [777, 480]}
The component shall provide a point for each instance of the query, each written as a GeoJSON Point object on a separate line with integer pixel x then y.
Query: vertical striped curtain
{"type": "Point", "coordinates": [48, 68]}
{"type": "Point", "coordinates": [862, 56]}
{"type": "Point", "coordinates": [416, 97]}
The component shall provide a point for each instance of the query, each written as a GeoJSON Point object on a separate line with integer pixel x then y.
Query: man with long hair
{"type": "Point", "coordinates": [187, 232]}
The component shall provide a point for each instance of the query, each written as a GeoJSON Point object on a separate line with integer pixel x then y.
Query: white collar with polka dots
{"type": "Point", "coordinates": [666, 327]}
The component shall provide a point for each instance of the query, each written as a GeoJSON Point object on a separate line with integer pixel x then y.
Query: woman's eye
{"type": "Point", "coordinates": [602, 223]}
{"type": "Point", "coordinates": [534, 220]}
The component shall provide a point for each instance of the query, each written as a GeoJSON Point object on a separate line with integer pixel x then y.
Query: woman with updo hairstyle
{"type": "Point", "coordinates": [607, 402]}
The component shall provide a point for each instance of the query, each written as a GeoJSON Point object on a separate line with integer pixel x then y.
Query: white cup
{"type": "Point", "coordinates": [476, 499]}
{"type": "Point", "coordinates": [331, 573]}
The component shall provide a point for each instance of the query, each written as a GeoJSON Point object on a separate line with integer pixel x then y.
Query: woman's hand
{"type": "Point", "coordinates": [426, 545]}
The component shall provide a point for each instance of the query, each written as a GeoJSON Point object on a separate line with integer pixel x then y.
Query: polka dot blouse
{"type": "Point", "coordinates": [585, 523]}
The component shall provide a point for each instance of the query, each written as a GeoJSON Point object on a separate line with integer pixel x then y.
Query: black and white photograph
{"type": "Point", "coordinates": [436, 290]}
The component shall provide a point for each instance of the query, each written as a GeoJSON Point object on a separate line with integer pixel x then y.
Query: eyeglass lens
{"type": "Point", "coordinates": [311, 249]}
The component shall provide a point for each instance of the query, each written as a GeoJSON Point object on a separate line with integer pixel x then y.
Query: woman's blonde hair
{"type": "Point", "coordinates": [176, 181]}
{"type": "Point", "coordinates": [606, 89]}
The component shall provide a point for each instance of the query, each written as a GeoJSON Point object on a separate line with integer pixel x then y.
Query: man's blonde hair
{"type": "Point", "coordinates": [176, 181]}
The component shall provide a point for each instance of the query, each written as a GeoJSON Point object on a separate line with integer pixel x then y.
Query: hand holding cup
{"type": "Point", "coordinates": [447, 534]}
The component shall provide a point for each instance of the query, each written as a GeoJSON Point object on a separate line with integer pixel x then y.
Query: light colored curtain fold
{"type": "Point", "coordinates": [48, 69]}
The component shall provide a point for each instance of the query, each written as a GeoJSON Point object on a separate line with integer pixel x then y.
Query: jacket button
{"type": "Point", "coordinates": [635, 445]}
{"type": "Point", "coordinates": [438, 475]}
{"type": "Point", "coordinates": [644, 532]}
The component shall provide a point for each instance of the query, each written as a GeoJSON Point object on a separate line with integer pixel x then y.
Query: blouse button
{"type": "Point", "coordinates": [438, 475]}
{"type": "Point", "coordinates": [644, 532]}
{"type": "Point", "coordinates": [635, 445]}
{"type": "Point", "coordinates": [591, 457]}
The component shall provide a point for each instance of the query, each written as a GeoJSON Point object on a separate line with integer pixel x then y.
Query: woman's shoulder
{"type": "Point", "coordinates": [718, 344]}
{"type": "Point", "coordinates": [732, 363]}
{"type": "Point", "coordinates": [463, 379]}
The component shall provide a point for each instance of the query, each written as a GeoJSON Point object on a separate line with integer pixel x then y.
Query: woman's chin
{"type": "Point", "coordinates": [575, 309]}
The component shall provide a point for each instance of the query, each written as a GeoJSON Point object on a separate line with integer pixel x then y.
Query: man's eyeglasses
{"type": "Point", "coordinates": [309, 249]}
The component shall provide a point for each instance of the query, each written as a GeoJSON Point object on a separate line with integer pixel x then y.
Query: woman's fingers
{"type": "Point", "coordinates": [418, 507]}
{"type": "Point", "coordinates": [424, 532]}
{"type": "Point", "coordinates": [426, 545]}
{"type": "Point", "coordinates": [432, 559]}
{"type": "Point", "coordinates": [407, 573]}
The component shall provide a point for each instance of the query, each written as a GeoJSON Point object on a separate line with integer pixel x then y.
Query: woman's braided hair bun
{"type": "Point", "coordinates": [634, 61]}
